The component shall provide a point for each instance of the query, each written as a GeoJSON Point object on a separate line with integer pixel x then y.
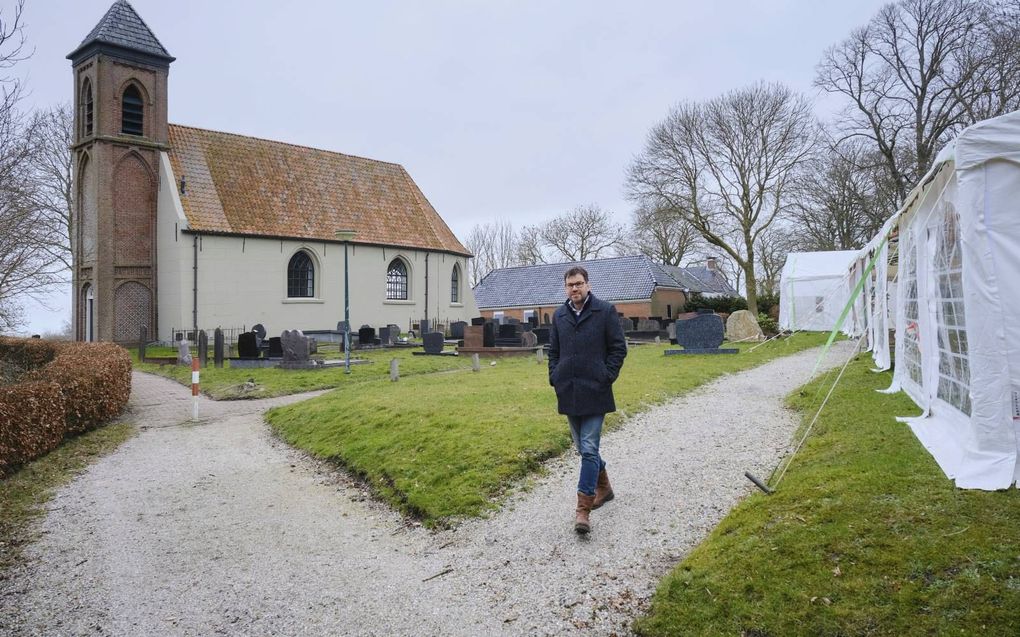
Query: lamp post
{"type": "Point", "coordinates": [346, 236]}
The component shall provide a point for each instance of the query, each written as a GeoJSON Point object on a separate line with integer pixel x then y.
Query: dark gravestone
{"type": "Point", "coordinates": [433, 342]}
{"type": "Point", "coordinates": [218, 348]}
{"type": "Point", "coordinates": [533, 321]}
{"type": "Point", "coordinates": [203, 348]}
{"type": "Point", "coordinates": [366, 336]}
{"type": "Point", "coordinates": [702, 334]}
{"type": "Point", "coordinates": [457, 330]}
{"type": "Point", "coordinates": [542, 334]}
{"type": "Point", "coordinates": [648, 325]}
{"type": "Point", "coordinates": [247, 347]}
{"type": "Point", "coordinates": [386, 336]}
{"type": "Point", "coordinates": [275, 347]}
{"type": "Point", "coordinates": [143, 338]}
{"type": "Point", "coordinates": [626, 324]}
{"type": "Point", "coordinates": [633, 323]}
{"type": "Point", "coordinates": [510, 335]}
{"type": "Point", "coordinates": [341, 326]}
{"type": "Point", "coordinates": [424, 327]}
{"type": "Point", "coordinates": [489, 334]}
{"type": "Point", "coordinates": [260, 333]}
{"type": "Point", "coordinates": [511, 321]}
{"type": "Point", "coordinates": [478, 320]}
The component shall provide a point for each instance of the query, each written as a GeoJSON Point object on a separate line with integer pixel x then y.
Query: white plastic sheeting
{"type": "Point", "coordinates": [814, 287]}
{"type": "Point", "coordinates": [957, 305]}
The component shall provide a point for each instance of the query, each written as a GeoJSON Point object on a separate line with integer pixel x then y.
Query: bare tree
{"type": "Point", "coordinates": [660, 233]}
{"type": "Point", "coordinates": [773, 246]}
{"type": "Point", "coordinates": [917, 73]}
{"type": "Point", "coordinates": [729, 166]}
{"type": "Point", "coordinates": [583, 233]}
{"type": "Point", "coordinates": [530, 246]}
{"type": "Point", "coordinates": [48, 134]}
{"type": "Point", "coordinates": [494, 246]}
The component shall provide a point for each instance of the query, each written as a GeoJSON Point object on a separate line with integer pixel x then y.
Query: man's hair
{"type": "Point", "coordinates": [574, 271]}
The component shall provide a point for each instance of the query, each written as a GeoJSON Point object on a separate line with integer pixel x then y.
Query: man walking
{"type": "Point", "coordinates": [586, 352]}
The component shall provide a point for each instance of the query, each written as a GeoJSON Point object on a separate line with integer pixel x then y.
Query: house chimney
{"type": "Point", "coordinates": [711, 264]}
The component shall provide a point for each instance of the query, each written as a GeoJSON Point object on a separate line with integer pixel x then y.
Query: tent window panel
{"type": "Point", "coordinates": [911, 337]}
{"type": "Point", "coordinates": [954, 369]}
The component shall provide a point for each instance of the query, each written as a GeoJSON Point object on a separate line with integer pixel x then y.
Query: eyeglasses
{"type": "Point", "coordinates": [579, 284]}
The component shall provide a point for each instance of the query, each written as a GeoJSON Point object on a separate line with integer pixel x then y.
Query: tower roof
{"type": "Point", "coordinates": [123, 31]}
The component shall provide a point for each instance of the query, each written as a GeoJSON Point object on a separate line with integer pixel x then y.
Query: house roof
{"type": "Point", "coordinates": [615, 279]}
{"type": "Point", "coordinates": [236, 184]}
{"type": "Point", "coordinates": [122, 27]}
{"type": "Point", "coordinates": [701, 279]}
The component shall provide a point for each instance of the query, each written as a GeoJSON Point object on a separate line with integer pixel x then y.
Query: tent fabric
{"type": "Point", "coordinates": [814, 287]}
{"type": "Point", "coordinates": [957, 303]}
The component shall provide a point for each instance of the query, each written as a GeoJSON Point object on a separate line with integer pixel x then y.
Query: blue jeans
{"type": "Point", "coordinates": [586, 432]}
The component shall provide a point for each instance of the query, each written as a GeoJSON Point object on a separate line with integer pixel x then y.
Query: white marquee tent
{"type": "Point", "coordinates": [814, 287]}
{"type": "Point", "coordinates": [957, 305]}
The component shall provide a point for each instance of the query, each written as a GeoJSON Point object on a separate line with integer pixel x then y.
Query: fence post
{"type": "Point", "coordinates": [194, 388]}
{"type": "Point", "coordinates": [476, 365]}
{"type": "Point", "coordinates": [394, 370]}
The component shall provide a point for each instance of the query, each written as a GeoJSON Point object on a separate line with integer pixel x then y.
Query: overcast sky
{"type": "Point", "coordinates": [512, 109]}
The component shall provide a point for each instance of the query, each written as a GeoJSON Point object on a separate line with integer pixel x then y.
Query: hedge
{"type": "Point", "coordinates": [71, 388]}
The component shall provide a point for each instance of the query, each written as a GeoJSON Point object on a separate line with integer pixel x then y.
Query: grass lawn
{"type": "Point", "coordinates": [24, 493]}
{"type": "Point", "coordinates": [864, 536]}
{"type": "Point", "coordinates": [232, 384]}
{"type": "Point", "coordinates": [440, 446]}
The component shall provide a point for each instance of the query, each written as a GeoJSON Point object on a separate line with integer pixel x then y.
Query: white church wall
{"type": "Point", "coordinates": [173, 255]}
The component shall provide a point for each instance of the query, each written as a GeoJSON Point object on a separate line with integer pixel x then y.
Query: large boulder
{"type": "Point", "coordinates": [743, 326]}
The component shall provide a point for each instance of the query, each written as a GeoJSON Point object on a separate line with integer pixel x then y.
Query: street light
{"type": "Point", "coordinates": [346, 236]}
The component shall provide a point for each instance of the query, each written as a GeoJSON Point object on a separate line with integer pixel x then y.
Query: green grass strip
{"type": "Point", "coordinates": [24, 493]}
{"type": "Point", "coordinates": [442, 446]}
{"type": "Point", "coordinates": [865, 536]}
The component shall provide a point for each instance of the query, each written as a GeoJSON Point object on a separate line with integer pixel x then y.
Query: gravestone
{"type": "Point", "coordinates": [424, 327]}
{"type": "Point", "coordinates": [528, 339]}
{"type": "Point", "coordinates": [294, 346]}
{"type": "Point", "coordinates": [533, 321]}
{"type": "Point", "coordinates": [341, 326]}
{"type": "Point", "coordinates": [648, 325]}
{"type": "Point", "coordinates": [218, 348]}
{"type": "Point", "coordinates": [489, 331]}
{"type": "Point", "coordinates": [247, 346]}
{"type": "Point", "coordinates": [143, 337]}
{"type": "Point", "coordinates": [394, 369]}
{"type": "Point", "coordinates": [671, 330]}
{"type": "Point", "coordinates": [366, 336]}
{"type": "Point", "coordinates": [394, 331]}
{"type": "Point", "coordinates": [275, 347]}
{"type": "Point", "coordinates": [510, 335]}
{"type": "Point", "coordinates": [633, 323]}
{"type": "Point", "coordinates": [478, 320]}
{"type": "Point", "coordinates": [473, 337]}
{"type": "Point", "coordinates": [203, 348]}
{"type": "Point", "coordinates": [457, 330]}
{"type": "Point", "coordinates": [385, 336]}
{"type": "Point", "coordinates": [313, 345]}
{"type": "Point", "coordinates": [702, 334]}
{"type": "Point", "coordinates": [433, 342]}
{"type": "Point", "coordinates": [260, 334]}
{"type": "Point", "coordinates": [183, 353]}
{"type": "Point", "coordinates": [742, 326]}
{"type": "Point", "coordinates": [542, 334]}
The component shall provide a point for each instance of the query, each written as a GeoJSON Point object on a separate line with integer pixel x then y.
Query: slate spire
{"type": "Point", "coordinates": [123, 32]}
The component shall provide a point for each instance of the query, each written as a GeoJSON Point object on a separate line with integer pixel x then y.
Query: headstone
{"type": "Point", "coordinates": [424, 327]}
{"type": "Point", "coordinates": [433, 342]}
{"type": "Point", "coordinates": [457, 330]}
{"type": "Point", "coordinates": [626, 324]}
{"type": "Point", "coordinates": [366, 335]}
{"type": "Point", "coordinates": [704, 331]}
{"type": "Point", "coordinates": [313, 345]}
{"type": "Point", "coordinates": [294, 346]}
{"type": "Point", "coordinates": [385, 336]}
{"type": "Point", "coordinates": [260, 333]}
{"type": "Point", "coordinates": [394, 369]}
{"type": "Point", "coordinates": [540, 355]}
{"type": "Point", "coordinates": [218, 348]}
{"type": "Point", "coordinates": [473, 337]}
{"type": "Point", "coordinates": [247, 346]}
{"type": "Point", "coordinates": [478, 320]}
{"type": "Point", "coordinates": [275, 347]}
{"type": "Point", "coordinates": [671, 330]}
{"type": "Point", "coordinates": [542, 334]}
{"type": "Point", "coordinates": [633, 323]}
{"type": "Point", "coordinates": [394, 331]}
{"type": "Point", "coordinates": [648, 325]}
{"type": "Point", "coordinates": [203, 348]}
{"type": "Point", "coordinates": [489, 334]}
{"type": "Point", "coordinates": [183, 353]}
{"type": "Point", "coordinates": [341, 326]}
{"type": "Point", "coordinates": [528, 339]}
{"type": "Point", "coordinates": [743, 326]}
{"type": "Point", "coordinates": [533, 320]}
{"type": "Point", "coordinates": [476, 364]}
{"type": "Point", "coordinates": [512, 321]}
{"type": "Point", "coordinates": [143, 338]}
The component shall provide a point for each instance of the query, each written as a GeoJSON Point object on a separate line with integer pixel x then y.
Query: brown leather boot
{"type": "Point", "coordinates": [603, 490]}
{"type": "Point", "coordinates": [581, 523]}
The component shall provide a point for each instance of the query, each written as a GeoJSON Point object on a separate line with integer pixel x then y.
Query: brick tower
{"type": "Point", "coordinates": [120, 128]}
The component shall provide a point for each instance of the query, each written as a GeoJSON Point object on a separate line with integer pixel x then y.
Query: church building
{"type": "Point", "coordinates": [180, 228]}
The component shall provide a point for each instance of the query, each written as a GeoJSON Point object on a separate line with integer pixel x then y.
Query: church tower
{"type": "Point", "coordinates": [120, 128]}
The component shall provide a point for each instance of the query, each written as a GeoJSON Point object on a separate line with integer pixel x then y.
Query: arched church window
{"type": "Point", "coordinates": [131, 111]}
{"type": "Point", "coordinates": [396, 280]}
{"type": "Point", "coordinates": [455, 285]}
{"type": "Point", "coordinates": [300, 276]}
{"type": "Point", "coordinates": [86, 109]}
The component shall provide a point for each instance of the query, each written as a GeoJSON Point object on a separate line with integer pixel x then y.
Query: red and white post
{"type": "Point", "coordinates": [194, 388]}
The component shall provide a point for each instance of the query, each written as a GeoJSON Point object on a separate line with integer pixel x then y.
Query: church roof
{"type": "Point", "coordinates": [236, 184]}
{"type": "Point", "coordinates": [123, 27]}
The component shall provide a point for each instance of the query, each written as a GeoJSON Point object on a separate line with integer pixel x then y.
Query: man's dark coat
{"type": "Point", "coordinates": [585, 357]}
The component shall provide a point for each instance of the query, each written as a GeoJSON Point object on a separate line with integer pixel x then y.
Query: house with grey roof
{"type": "Point", "coordinates": [636, 285]}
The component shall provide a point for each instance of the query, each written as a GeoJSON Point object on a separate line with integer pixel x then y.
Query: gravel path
{"type": "Point", "coordinates": [216, 527]}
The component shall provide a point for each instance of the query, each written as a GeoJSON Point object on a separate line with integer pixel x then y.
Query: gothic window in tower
{"type": "Point", "coordinates": [87, 113]}
{"type": "Point", "coordinates": [131, 111]}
